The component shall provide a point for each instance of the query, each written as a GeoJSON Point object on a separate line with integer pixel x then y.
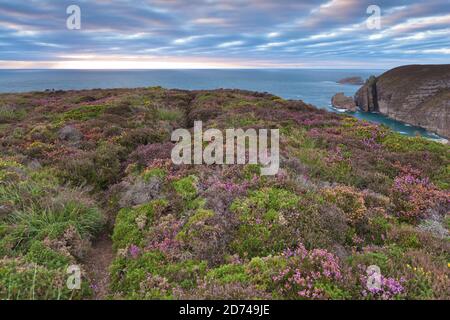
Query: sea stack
{"type": "Point", "coordinates": [341, 101]}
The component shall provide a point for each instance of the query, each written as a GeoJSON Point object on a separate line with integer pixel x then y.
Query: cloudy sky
{"type": "Point", "coordinates": [218, 33]}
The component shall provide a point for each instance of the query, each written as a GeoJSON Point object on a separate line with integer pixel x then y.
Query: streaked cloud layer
{"type": "Point", "coordinates": [215, 33]}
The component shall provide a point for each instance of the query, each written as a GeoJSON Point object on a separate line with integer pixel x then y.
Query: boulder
{"type": "Point", "coordinates": [70, 134]}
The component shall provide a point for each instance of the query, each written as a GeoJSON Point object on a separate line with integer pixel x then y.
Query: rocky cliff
{"type": "Point", "coordinates": [415, 94]}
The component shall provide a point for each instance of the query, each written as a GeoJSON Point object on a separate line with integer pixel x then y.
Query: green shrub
{"type": "Point", "coordinates": [128, 274]}
{"type": "Point", "coordinates": [228, 273]}
{"type": "Point", "coordinates": [169, 115]}
{"type": "Point", "coordinates": [400, 143]}
{"type": "Point", "coordinates": [261, 221]}
{"type": "Point", "coordinates": [83, 113]}
{"type": "Point", "coordinates": [252, 170]}
{"type": "Point", "coordinates": [98, 168]}
{"type": "Point", "coordinates": [126, 230]}
{"type": "Point", "coordinates": [45, 256]}
{"type": "Point", "coordinates": [152, 276]}
{"type": "Point", "coordinates": [195, 225]}
{"type": "Point", "coordinates": [8, 114]}
{"type": "Point", "coordinates": [186, 187]}
{"type": "Point", "coordinates": [131, 224]}
{"type": "Point", "coordinates": [148, 174]}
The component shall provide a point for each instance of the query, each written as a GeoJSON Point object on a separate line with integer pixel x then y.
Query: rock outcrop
{"type": "Point", "coordinates": [352, 80]}
{"type": "Point", "coordinates": [70, 134]}
{"type": "Point", "coordinates": [341, 101]}
{"type": "Point", "coordinates": [415, 94]}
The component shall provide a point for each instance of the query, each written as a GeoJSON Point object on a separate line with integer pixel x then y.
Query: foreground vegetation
{"type": "Point", "coordinates": [79, 164]}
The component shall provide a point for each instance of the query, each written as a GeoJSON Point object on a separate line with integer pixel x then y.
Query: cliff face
{"type": "Point", "coordinates": [416, 94]}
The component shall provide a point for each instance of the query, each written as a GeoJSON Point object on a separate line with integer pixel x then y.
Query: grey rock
{"type": "Point", "coordinates": [341, 101]}
{"type": "Point", "coordinates": [70, 134]}
{"type": "Point", "coordinates": [139, 192]}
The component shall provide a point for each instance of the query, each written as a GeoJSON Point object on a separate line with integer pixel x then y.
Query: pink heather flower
{"type": "Point", "coordinates": [134, 251]}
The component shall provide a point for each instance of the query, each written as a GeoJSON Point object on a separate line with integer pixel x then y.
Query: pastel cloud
{"type": "Point", "coordinates": [219, 33]}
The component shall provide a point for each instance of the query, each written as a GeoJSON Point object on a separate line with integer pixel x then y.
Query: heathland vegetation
{"type": "Point", "coordinates": [79, 166]}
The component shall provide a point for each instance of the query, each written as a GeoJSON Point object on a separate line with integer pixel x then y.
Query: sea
{"type": "Point", "coordinates": [314, 86]}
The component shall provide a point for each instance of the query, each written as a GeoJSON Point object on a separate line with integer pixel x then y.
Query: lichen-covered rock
{"type": "Point", "coordinates": [70, 134]}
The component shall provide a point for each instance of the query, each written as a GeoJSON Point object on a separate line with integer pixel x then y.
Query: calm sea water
{"type": "Point", "coordinates": [315, 86]}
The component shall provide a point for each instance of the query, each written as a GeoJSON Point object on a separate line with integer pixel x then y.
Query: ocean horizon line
{"type": "Point", "coordinates": [162, 69]}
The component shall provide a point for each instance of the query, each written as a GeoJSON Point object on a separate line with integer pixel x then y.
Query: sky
{"type": "Point", "coordinates": [152, 34]}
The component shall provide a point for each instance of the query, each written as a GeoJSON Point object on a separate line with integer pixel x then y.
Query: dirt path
{"type": "Point", "coordinates": [97, 265]}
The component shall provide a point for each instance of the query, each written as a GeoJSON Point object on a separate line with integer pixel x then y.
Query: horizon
{"type": "Point", "coordinates": [204, 68]}
{"type": "Point", "coordinates": [205, 34]}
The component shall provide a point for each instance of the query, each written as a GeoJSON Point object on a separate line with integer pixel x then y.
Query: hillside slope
{"type": "Point", "coordinates": [88, 173]}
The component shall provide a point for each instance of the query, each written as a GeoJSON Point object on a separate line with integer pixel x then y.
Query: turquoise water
{"type": "Point", "coordinates": [315, 86]}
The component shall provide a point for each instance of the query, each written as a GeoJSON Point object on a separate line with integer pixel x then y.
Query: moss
{"type": "Point", "coordinates": [187, 189]}
{"type": "Point", "coordinates": [148, 174]}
